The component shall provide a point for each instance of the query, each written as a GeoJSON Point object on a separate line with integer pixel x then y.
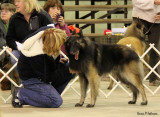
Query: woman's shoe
{"type": "Point", "coordinates": [15, 100]}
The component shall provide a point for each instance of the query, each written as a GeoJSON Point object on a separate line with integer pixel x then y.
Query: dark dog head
{"type": "Point", "coordinates": [136, 29]}
{"type": "Point", "coordinates": [74, 44]}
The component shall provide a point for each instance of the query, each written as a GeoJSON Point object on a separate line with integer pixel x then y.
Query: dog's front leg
{"type": "Point", "coordinates": [94, 81]}
{"type": "Point", "coordinates": [83, 85]}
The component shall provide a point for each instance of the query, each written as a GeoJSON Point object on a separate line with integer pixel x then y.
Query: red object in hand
{"type": "Point", "coordinates": [107, 32]}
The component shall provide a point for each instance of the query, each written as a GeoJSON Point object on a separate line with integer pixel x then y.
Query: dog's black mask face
{"type": "Point", "coordinates": [74, 44]}
{"type": "Point", "coordinates": [142, 27]}
{"type": "Point", "coordinates": [139, 29]}
{"type": "Point", "coordinates": [139, 25]}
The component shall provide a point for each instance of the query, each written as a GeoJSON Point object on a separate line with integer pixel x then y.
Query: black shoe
{"type": "Point", "coordinates": [15, 100]}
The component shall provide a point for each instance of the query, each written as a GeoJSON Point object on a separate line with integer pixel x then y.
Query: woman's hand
{"type": "Point", "coordinates": [63, 60]}
{"type": "Point", "coordinates": [157, 17]}
{"type": "Point", "coordinates": [61, 21]}
{"type": "Point", "coordinates": [157, 2]}
{"type": "Point", "coordinates": [9, 49]}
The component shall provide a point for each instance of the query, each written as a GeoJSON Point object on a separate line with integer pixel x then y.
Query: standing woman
{"type": "Point", "coordinates": [148, 11]}
{"type": "Point", "coordinates": [28, 19]}
{"type": "Point", "coordinates": [55, 10]}
{"type": "Point", "coordinates": [7, 10]}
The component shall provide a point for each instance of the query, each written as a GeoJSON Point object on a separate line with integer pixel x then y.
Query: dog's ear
{"type": "Point", "coordinates": [81, 33]}
{"type": "Point", "coordinates": [138, 23]}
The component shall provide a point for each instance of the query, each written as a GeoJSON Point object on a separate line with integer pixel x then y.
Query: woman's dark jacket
{"type": "Point", "coordinates": [2, 34]}
{"type": "Point", "coordinates": [34, 63]}
{"type": "Point", "coordinates": [40, 66]}
{"type": "Point", "coordinates": [19, 28]}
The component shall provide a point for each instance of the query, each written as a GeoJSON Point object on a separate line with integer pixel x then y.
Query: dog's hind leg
{"type": "Point", "coordinates": [144, 98]}
{"type": "Point", "coordinates": [134, 74]}
{"type": "Point", "coordinates": [126, 77]}
{"type": "Point", "coordinates": [135, 80]}
{"type": "Point", "coordinates": [110, 84]}
{"type": "Point", "coordinates": [140, 89]}
{"type": "Point", "coordinates": [135, 94]}
{"type": "Point", "coordinates": [84, 86]}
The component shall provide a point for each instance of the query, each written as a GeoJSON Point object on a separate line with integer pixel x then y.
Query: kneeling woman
{"type": "Point", "coordinates": [43, 73]}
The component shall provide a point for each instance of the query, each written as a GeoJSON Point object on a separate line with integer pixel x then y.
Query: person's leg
{"type": "Point", "coordinates": [60, 88]}
{"type": "Point", "coordinates": [154, 37]}
{"type": "Point", "coordinates": [62, 76]}
{"type": "Point", "coordinates": [39, 94]}
{"type": "Point", "coordinates": [16, 53]}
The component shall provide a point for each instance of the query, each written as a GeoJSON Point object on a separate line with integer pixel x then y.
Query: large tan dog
{"type": "Point", "coordinates": [135, 38]}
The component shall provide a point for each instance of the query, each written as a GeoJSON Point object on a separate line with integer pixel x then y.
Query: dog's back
{"type": "Point", "coordinates": [135, 37]}
{"type": "Point", "coordinates": [137, 45]}
{"type": "Point", "coordinates": [113, 55]}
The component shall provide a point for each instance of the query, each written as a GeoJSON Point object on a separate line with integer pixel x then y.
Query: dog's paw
{"type": "Point", "coordinates": [131, 102]}
{"type": "Point", "coordinates": [144, 103]}
{"type": "Point", "coordinates": [109, 88]}
{"type": "Point", "coordinates": [90, 106]}
{"type": "Point", "coordinates": [78, 105]}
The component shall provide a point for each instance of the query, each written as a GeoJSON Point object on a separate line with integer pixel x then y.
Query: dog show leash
{"type": "Point", "coordinates": [151, 25]}
{"type": "Point", "coordinates": [147, 32]}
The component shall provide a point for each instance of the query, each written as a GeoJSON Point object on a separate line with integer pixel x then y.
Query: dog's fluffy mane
{"type": "Point", "coordinates": [136, 29]}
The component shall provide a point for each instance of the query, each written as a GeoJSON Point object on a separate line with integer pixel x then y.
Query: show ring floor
{"type": "Point", "coordinates": [116, 105]}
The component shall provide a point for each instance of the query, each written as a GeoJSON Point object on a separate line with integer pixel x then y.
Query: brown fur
{"type": "Point", "coordinates": [135, 37]}
{"type": "Point", "coordinates": [5, 83]}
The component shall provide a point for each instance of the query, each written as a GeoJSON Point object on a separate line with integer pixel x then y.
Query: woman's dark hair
{"type": "Point", "coordinates": [53, 3]}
